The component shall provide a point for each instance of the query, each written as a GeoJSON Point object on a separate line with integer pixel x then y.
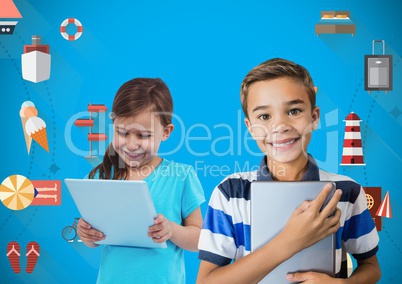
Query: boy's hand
{"type": "Point", "coordinates": [89, 235]}
{"type": "Point", "coordinates": [161, 231]}
{"type": "Point", "coordinates": [311, 278]}
{"type": "Point", "coordinates": [308, 225]}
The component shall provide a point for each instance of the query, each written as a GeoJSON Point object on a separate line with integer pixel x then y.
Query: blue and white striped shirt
{"type": "Point", "coordinates": [225, 235]}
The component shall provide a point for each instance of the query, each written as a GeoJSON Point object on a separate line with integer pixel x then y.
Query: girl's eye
{"type": "Point", "coordinates": [264, 117]}
{"type": "Point", "coordinates": [295, 111]}
{"type": "Point", "coordinates": [121, 133]}
{"type": "Point", "coordinates": [145, 135]}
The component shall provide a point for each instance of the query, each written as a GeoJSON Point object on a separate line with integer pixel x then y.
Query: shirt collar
{"type": "Point", "coordinates": [312, 173]}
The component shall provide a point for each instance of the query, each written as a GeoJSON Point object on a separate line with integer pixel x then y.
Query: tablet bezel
{"type": "Point", "coordinates": [110, 206]}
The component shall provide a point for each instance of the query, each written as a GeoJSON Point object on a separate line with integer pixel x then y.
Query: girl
{"type": "Point", "coordinates": [142, 119]}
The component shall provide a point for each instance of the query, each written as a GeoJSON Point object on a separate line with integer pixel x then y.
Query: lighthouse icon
{"type": "Point", "coordinates": [352, 154]}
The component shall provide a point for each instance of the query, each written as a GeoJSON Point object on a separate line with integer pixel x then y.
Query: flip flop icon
{"type": "Point", "coordinates": [32, 255]}
{"type": "Point", "coordinates": [13, 254]}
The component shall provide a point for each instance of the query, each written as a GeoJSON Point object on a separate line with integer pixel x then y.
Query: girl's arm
{"type": "Point", "coordinates": [185, 236]}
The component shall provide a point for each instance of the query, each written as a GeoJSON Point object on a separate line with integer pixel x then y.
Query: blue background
{"type": "Point", "coordinates": [202, 50]}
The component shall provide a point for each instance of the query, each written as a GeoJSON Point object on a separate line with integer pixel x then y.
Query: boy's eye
{"type": "Point", "coordinates": [295, 111]}
{"type": "Point", "coordinates": [121, 133]}
{"type": "Point", "coordinates": [264, 117]}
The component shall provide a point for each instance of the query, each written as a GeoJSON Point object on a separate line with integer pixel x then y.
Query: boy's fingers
{"type": "Point", "coordinates": [303, 207]}
{"type": "Point", "coordinates": [321, 197]}
{"type": "Point", "coordinates": [333, 222]}
{"type": "Point", "coordinates": [332, 204]}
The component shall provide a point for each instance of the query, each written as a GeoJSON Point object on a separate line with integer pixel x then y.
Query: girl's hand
{"type": "Point", "coordinates": [89, 235]}
{"type": "Point", "coordinates": [161, 231]}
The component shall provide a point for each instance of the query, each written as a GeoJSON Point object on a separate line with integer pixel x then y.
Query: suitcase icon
{"type": "Point", "coordinates": [378, 71]}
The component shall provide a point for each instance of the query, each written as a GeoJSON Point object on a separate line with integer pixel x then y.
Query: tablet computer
{"type": "Point", "coordinates": [272, 203]}
{"type": "Point", "coordinates": [122, 210]}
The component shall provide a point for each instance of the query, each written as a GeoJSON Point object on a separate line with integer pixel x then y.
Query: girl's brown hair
{"type": "Point", "coordinates": [133, 97]}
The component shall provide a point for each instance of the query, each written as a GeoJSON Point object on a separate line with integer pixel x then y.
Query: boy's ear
{"type": "Point", "coordinates": [167, 131]}
{"type": "Point", "coordinates": [250, 128]}
{"type": "Point", "coordinates": [316, 117]}
{"type": "Point", "coordinates": [248, 125]}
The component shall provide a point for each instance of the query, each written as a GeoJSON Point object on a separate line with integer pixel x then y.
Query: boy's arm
{"type": "Point", "coordinates": [306, 226]}
{"type": "Point", "coordinates": [367, 272]}
{"type": "Point", "coordinates": [249, 269]}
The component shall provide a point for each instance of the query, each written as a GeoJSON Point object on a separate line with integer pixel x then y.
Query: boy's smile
{"type": "Point", "coordinates": [280, 119]}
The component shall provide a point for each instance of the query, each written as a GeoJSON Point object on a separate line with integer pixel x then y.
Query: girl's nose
{"type": "Point", "coordinates": [132, 143]}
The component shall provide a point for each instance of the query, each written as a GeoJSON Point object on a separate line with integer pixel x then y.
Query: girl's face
{"type": "Point", "coordinates": [137, 139]}
{"type": "Point", "coordinates": [281, 119]}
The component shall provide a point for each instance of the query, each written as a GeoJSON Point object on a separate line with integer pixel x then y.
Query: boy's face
{"type": "Point", "coordinates": [280, 119]}
{"type": "Point", "coordinates": [137, 139]}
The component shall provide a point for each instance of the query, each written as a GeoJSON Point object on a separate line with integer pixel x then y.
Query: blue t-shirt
{"type": "Point", "coordinates": [176, 193]}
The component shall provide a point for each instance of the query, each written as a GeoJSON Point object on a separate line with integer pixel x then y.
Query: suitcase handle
{"type": "Point", "coordinates": [383, 45]}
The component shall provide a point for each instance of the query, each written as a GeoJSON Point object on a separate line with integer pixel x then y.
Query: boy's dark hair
{"type": "Point", "coordinates": [273, 69]}
{"type": "Point", "coordinates": [133, 97]}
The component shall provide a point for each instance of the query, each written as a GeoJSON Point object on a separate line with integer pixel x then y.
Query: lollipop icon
{"type": "Point", "coordinates": [34, 127]}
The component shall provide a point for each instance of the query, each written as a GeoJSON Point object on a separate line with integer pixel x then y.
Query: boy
{"type": "Point", "coordinates": [278, 99]}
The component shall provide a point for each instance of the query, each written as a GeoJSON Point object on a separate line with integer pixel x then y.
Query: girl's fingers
{"type": "Point", "coordinates": [83, 224]}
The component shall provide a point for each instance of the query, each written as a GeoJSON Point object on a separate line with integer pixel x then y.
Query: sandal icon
{"type": "Point", "coordinates": [32, 256]}
{"type": "Point", "coordinates": [13, 254]}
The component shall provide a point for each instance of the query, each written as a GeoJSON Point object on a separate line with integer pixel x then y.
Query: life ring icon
{"type": "Point", "coordinates": [65, 23]}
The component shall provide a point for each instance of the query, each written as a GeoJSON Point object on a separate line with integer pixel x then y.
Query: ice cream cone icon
{"type": "Point", "coordinates": [34, 127]}
{"type": "Point", "coordinates": [27, 111]}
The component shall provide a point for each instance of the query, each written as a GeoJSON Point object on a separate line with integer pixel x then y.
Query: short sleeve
{"type": "Point", "coordinates": [217, 242]}
{"type": "Point", "coordinates": [360, 234]}
{"type": "Point", "coordinates": [193, 194]}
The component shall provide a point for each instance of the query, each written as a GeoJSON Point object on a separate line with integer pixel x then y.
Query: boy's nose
{"type": "Point", "coordinates": [280, 128]}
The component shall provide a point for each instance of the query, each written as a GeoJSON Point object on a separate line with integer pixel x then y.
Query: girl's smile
{"type": "Point", "coordinates": [133, 156]}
